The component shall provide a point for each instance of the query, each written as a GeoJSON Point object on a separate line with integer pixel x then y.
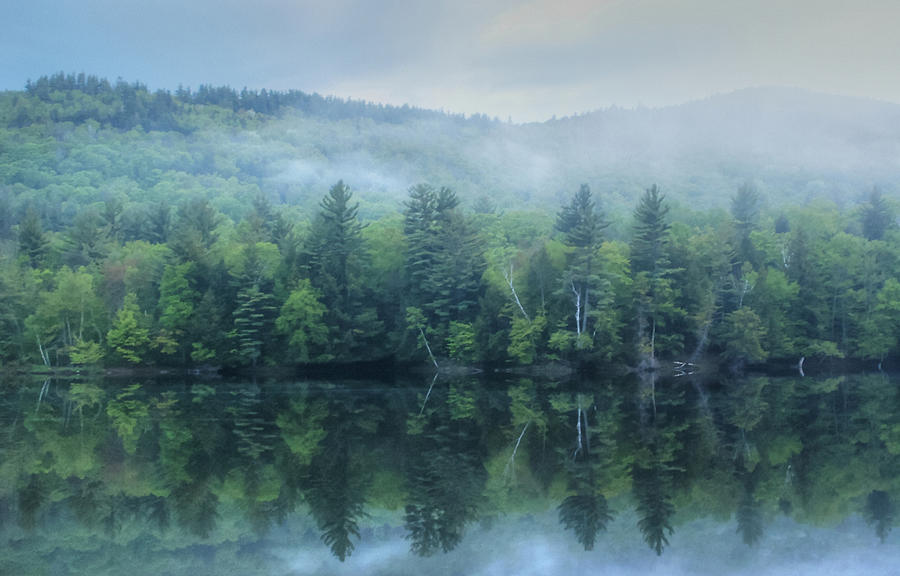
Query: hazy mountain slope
{"type": "Point", "coordinates": [795, 145]}
{"type": "Point", "coordinates": [75, 147]}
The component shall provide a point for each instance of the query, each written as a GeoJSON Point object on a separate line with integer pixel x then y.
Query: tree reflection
{"type": "Point", "coordinates": [588, 461]}
{"type": "Point", "coordinates": [879, 512]}
{"type": "Point", "coordinates": [654, 506]}
{"type": "Point", "coordinates": [32, 497]}
{"type": "Point", "coordinates": [336, 496]}
{"type": "Point", "coordinates": [656, 459]}
{"type": "Point", "coordinates": [445, 471]}
{"type": "Point", "coordinates": [586, 515]}
{"type": "Point", "coordinates": [336, 482]}
{"type": "Point", "coordinates": [226, 463]}
{"type": "Point", "coordinates": [749, 519]}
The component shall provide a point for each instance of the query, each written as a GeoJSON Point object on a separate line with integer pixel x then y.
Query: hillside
{"type": "Point", "coordinates": [79, 140]}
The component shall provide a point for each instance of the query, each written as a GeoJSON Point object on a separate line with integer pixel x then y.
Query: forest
{"type": "Point", "coordinates": [146, 229]}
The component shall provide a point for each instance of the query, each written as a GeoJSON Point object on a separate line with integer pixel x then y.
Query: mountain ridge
{"type": "Point", "coordinates": [793, 144]}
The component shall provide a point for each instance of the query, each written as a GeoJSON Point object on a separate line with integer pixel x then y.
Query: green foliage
{"type": "Point", "coordinates": [581, 221]}
{"type": "Point", "coordinates": [128, 337]}
{"type": "Point", "coordinates": [877, 216]}
{"type": "Point", "coordinates": [130, 416]}
{"type": "Point", "coordinates": [443, 260]}
{"type": "Point", "coordinates": [86, 353]}
{"type": "Point", "coordinates": [562, 341]}
{"type": "Point", "coordinates": [251, 320]}
{"type": "Point", "coordinates": [881, 328]}
{"type": "Point", "coordinates": [524, 336]}
{"type": "Point", "coordinates": [651, 267]}
{"type": "Point", "coordinates": [302, 428]}
{"type": "Point", "coordinates": [744, 335]}
{"type": "Point", "coordinates": [33, 243]}
{"type": "Point", "coordinates": [67, 317]}
{"type": "Point", "coordinates": [176, 302]}
{"type": "Point", "coordinates": [301, 319]}
{"type": "Point", "coordinates": [745, 209]}
{"type": "Point", "coordinates": [338, 264]}
{"type": "Point", "coordinates": [461, 341]}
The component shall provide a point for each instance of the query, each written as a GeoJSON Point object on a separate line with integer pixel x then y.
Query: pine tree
{"type": "Point", "coordinates": [337, 268]}
{"type": "Point", "coordinates": [443, 260]}
{"type": "Point", "coordinates": [582, 224]}
{"type": "Point", "coordinates": [652, 269]}
{"type": "Point", "coordinates": [877, 216]}
{"type": "Point", "coordinates": [254, 313]}
{"type": "Point", "coordinates": [745, 206]}
{"type": "Point", "coordinates": [33, 243]}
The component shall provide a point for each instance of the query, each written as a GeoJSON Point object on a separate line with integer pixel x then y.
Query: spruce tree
{"type": "Point", "coordinates": [581, 221]}
{"type": "Point", "coordinates": [337, 267]}
{"type": "Point", "coordinates": [652, 270]}
{"type": "Point", "coordinates": [443, 260]}
{"type": "Point", "coordinates": [877, 216]}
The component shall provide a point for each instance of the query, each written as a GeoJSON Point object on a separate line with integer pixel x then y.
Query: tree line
{"type": "Point", "coordinates": [188, 285]}
{"type": "Point", "coordinates": [123, 105]}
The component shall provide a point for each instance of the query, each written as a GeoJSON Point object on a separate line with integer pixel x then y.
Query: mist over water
{"type": "Point", "coordinates": [534, 546]}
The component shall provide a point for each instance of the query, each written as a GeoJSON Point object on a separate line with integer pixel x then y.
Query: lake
{"type": "Point", "coordinates": [414, 474]}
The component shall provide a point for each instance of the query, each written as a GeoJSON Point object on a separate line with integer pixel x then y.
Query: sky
{"type": "Point", "coordinates": [526, 60]}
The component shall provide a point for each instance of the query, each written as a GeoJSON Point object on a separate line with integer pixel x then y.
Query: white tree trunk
{"type": "Point", "coordinates": [577, 311]}
{"type": "Point", "coordinates": [509, 280]}
{"type": "Point", "coordinates": [427, 347]}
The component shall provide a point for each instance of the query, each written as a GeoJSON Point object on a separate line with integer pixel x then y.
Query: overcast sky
{"type": "Point", "coordinates": [526, 59]}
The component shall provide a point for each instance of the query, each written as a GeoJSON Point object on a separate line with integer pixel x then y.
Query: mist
{"type": "Point", "coordinates": [538, 546]}
{"type": "Point", "coordinates": [794, 145]}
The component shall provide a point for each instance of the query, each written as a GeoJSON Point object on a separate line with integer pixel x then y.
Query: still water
{"type": "Point", "coordinates": [422, 475]}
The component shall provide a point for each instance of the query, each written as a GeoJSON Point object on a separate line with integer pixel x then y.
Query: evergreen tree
{"type": "Point", "coordinates": [254, 311]}
{"type": "Point", "coordinates": [877, 216]}
{"type": "Point", "coordinates": [158, 223]}
{"type": "Point", "coordinates": [652, 270]}
{"type": "Point", "coordinates": [581, 221]}
{"type": "Point", "coordinates": [443, 260]}
{"type": "Point", "coordinates": [84, 240]}
{"type": "Point", "coordinates": [33, 242]}
{"type": "Point", "coordinates": [177, 300]}
{"type": "Point", "coordinates": [337, 267]}
{"type": "Point", "coordinates": [194, 232]}
{"type": "Point", "coordinates": [745, 208]}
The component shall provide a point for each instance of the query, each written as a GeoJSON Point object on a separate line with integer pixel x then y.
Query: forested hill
{"type": "Point", "coordinates": [245, 228]}
{"type": "Point", "coordinates": [81, 139]}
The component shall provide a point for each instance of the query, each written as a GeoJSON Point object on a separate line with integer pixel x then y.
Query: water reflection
{"type": "Point", "coordinates": [104, 473]}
